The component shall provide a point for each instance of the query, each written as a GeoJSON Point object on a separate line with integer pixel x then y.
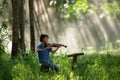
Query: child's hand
{"type": "Point", "coordinates": [59, 46]}
{"type": "Point", "coordinates": [48, 47]}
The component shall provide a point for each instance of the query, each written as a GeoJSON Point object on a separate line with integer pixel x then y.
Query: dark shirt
{"type": "Point", "coordinates": [43, 55]}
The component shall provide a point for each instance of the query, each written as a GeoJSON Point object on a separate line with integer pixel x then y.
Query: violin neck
{"type": "Point", "coordinates": [56, 45]}
{"type": "Point", "coordinates": [59, 45]}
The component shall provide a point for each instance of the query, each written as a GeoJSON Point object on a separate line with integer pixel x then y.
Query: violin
{"type": "Point", "coordinates": [56, 45]}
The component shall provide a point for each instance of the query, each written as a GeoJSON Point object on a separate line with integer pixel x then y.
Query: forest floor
{"type": "Point", "coordinates": [99, 65]}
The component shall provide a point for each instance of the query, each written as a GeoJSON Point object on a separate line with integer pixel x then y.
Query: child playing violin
{"type": "Point", "coordinates": [44, 49]}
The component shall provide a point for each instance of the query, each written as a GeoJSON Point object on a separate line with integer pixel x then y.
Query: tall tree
{"type": "Point", "coordinates": [31, 16]}
{"type": "Point", "coordinates": [21, 25]}
{"type": "Point", "coordinates": [15, 28]}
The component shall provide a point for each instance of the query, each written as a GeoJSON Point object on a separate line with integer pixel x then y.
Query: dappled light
{"type": "Point", "coordinates": [87, 30]}
{"type": "Point", "coordinates": [91, 28]}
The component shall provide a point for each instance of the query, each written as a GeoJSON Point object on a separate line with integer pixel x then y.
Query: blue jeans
{"type": "Point", "coordinates": [50, 63]}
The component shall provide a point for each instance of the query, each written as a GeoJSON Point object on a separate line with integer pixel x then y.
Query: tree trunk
{"type": "Point", "coordinates": [31, 16]}
{"type": "Point", "coordinates": [21, 25]}
{"type": "Point", "coordinates": [15, 28]}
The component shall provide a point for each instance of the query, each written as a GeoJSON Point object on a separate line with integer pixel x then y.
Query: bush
{"type": "Point", "coordinates": [89, 67]}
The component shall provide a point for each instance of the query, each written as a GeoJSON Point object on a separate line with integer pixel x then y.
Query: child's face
{"type": "Point", "coordinates": [45, 40]}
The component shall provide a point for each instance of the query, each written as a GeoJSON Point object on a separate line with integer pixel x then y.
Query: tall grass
{"type": "Point", "coordinates": [89, 67]}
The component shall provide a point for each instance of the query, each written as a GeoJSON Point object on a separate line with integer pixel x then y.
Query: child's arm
{"type": "Point", "coordinates": [39, 50]}
{"type": "Point", "coordinates": [54, 51]}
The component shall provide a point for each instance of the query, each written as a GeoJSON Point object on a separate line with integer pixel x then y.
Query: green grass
{"type": "Point", "coordinates": [89, 67]}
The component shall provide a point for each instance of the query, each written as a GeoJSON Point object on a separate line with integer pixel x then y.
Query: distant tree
{"type": "Point", "coordinates": [31, 16]}
{"type": "Point", "coordinates": [15, 28]}
{"type": "Point", "coordinates": [21, 25]}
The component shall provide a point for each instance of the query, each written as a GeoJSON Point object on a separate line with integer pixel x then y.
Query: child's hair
{"type": "Point", "coordinates": [42, 36]}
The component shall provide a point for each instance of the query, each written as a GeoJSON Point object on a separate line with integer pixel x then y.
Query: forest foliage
{"type": "Point", "coordinates": [89, 67]}
{"type": "Point", "coordinates": [74, 8]}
